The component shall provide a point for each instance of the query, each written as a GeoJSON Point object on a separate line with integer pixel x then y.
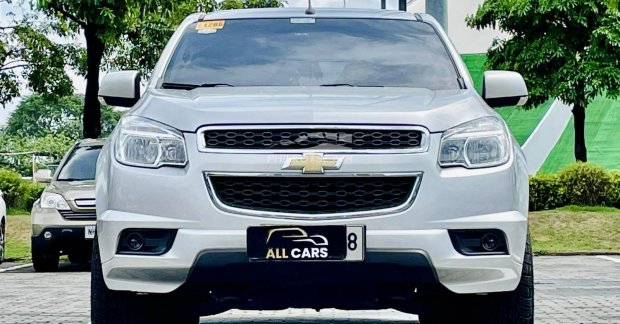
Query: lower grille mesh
{"type": "Point", "coordinates": [313, 195]}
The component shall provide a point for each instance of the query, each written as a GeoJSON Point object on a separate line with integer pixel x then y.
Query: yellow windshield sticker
{"type": "Point", "coordinates": [212, 24]}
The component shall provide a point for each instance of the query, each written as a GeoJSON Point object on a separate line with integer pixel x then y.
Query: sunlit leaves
{"type": "Point", "coordinates": [568, 49]}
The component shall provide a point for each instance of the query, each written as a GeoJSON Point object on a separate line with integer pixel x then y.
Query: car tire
{"type": "Point", "coordinates": [110, 306]}
{"type": "Point", "coordinates": [44, 261]}
{"type": "Point", "coordinates": [509, 307]}
{"type": "Point", "coordinates": [2, 241]}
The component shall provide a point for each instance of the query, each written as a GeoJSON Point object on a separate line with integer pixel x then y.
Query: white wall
{"type": "Point", "coordinates": [417, 6]}
{"type": "Point", "coordinates": [466, 40]}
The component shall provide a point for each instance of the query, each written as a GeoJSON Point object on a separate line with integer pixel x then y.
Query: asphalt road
{"type": "Point", "coordinates": [576, 289]}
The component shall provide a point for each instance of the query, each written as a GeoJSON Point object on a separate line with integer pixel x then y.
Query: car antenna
{"type": "Point", "coordinates": [310, 10]}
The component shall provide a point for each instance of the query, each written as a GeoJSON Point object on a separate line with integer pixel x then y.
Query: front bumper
{"type": "Point", "coordinates": [68, 239]}
{"type": "Point", "coordinates": [166, 273]}
{"type": "Point", "coordinates": [448, 199]}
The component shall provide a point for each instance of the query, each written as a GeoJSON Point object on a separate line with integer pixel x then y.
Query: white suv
{"type": "Point", "coordinates": [331, 159]}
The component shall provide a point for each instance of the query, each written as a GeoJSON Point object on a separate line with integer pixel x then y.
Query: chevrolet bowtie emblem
{"type": "Point", "coordinates": [312, 163]}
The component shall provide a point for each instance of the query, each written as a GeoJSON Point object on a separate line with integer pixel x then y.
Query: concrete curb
{"type": "Point", "coordinates": [577, 253]}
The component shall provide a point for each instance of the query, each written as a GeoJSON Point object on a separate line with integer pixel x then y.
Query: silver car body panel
{"type": "Point", "coordinates": [179, 198]}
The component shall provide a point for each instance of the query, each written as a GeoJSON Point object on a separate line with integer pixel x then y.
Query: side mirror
{"type": "Point", "coordinates": [43, 176]}
{"type": "Point", "coordinates": [504, 88]}
{"type": "Point", "coordinates": [120, 89]}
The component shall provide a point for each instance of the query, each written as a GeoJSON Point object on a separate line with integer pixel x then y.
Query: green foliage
{"type": "Point", "coordinates": [565, 49]}
{"type": "Point", "coordinates": [11, 186]}
{"type": "Point", "coordinates": [39, 116]}
{"type": "Point", "coordinates": [31, 192]}
{"type": "Point", "coordinates": [613, 197]}
{"type": "Point", "coordinates": [53, 146]}
{"type": "Point", "coordinates": [27, 53]}
{"type": "Point", "coordinates": [545, 192]}
{"type": "Point", "coordinates": [18, 193]}
{"type": "Point", "coordinates": [579, 184]}
{"type": "Point", "coordinates": [585, 184]}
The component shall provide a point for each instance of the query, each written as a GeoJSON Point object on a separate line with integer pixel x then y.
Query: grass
{"type": "Point", "coordinates": [521, 122]}
{"type": "Point", "coordinates": [18, 238]}
{"type": "Point", "coordinates": [575, 229]}
{"type": "Point", "coordinates": [602, 117]}
{"type": "Point", "coordinates": [17, 211]}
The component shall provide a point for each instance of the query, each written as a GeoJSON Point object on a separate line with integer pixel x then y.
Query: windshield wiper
{"type": "Point", "coordinates": [350, 85]}
{"type": "Point", "coordinates": [184, 86]}
{"type": "Point", "coordinates": [74, 179]}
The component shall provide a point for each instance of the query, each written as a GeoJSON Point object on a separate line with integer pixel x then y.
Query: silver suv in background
{"type": "Point", "coordinates": [335, 158]}
{"type": "Point", "coordinates": [63, 219]}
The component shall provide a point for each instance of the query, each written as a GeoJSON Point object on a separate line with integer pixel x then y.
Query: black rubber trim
{"type": "Point", "coordinates": [68, 237]}
{"type": "Point", "coordinates": [121, 102]}
{"type": "Point", "coordinates": [455, 236]}
{"type": "Point", "coordinates": [232, 267]}
{"type": "Point", "coordinates": [503, 102]}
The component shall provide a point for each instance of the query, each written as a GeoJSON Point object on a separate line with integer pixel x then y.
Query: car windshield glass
{"type": "Point", "coordinates": [311, 52]}
{"type": "Point", "coordinates": [80, 164]}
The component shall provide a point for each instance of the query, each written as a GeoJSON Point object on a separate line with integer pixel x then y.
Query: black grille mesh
{"type": "Point", "coordinates": [313, 195]}
{"type": "Point", "coordinates": [310, 138]}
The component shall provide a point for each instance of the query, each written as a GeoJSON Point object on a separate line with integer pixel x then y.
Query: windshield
{"type": "Point", "coordinates": [80, 164]}
{"type": "Point", "coordinates": [311, 52]}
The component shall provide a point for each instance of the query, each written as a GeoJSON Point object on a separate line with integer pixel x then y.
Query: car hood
{"type": "Point", "coordinates": [189, 110]}
{"type": "Point", "coordinates": [72, 190]}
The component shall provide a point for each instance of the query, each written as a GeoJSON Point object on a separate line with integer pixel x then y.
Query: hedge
{"type": "Point", "coordinates": [18, 193]}
{"type": "Point", "coordinates": [581, 184]}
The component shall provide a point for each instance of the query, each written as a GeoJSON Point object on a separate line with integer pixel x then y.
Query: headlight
{"type": "Point", "coordinates": [53, 201]}
{"type": "Point", "coordinates": [146, 143]}
{"type": "Point", "coordinates": [480, 143]}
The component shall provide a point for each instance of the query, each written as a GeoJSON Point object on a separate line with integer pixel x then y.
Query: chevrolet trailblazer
{"type": "Point", "coordinates": [336, 158]}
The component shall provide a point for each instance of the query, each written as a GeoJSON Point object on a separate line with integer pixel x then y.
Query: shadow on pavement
{"type": "Point", "coordinates": [302, 320]}
{"type": "Point", "coordinates": [63, 267]}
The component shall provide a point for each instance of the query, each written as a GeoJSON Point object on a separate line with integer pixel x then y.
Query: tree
{"type": "Point", "coordinates": [38, 116]}
{"type": "Point", "coordinates": [27, 54]}
{"type": "Point", "coordinates": [134, 29]}
{"type": "Point", "coordinates": [566, 49]}
{"type": "Point", "coordinates": [12, 147]}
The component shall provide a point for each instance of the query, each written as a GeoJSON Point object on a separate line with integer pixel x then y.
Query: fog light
{"type": "Point", "coordinates": [479, 241]}
{"type": "Point", "coordinates": [146, 241]}
{"type": "Point", "coordinates": [47, 235]}
{"type": "Point", "coordinates": [135, 241]}
{"type": "Point", "coordinates": [490, 242]}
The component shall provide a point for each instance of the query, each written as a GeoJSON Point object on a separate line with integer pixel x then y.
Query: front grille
{"type": "Point", "coordinates": [300, 138]}
{"type": "Point", "coordinates": [73, 215]}
{"type": "Point", "coordinates": [313, 195]}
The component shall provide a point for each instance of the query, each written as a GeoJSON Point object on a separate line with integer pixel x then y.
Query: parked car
{"type": "Point", "coordinates": [3, 226]}
{"type": "Point", "coordinates": [63, 219]}
{"type": "Point", "coordinates": [327, 158]}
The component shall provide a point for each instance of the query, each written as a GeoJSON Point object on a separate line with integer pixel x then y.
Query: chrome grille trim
{"type": "Point", "coordinates": [329, 216]}
{"type": "Point", "coordinates": [78, 216]}
{"type": "Point", "coordinates": [424, 141]}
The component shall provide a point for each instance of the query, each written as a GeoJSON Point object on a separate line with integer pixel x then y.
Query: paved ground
{"type": "Point", "coordinates": [568, 290]}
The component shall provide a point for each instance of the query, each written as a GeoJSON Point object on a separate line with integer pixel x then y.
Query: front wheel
{"type": "Point", "coordinates": [2, 241]}
{"type": "Point", "coordinates": [508, 307]}
{"type": "Point", "coordinates": [44, 260]}
{"type": "Point", "coordinates": [109, 306]}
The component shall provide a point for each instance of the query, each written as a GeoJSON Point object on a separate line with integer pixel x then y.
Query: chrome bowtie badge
{"type": "Point", "coordinates": [312, 163]}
